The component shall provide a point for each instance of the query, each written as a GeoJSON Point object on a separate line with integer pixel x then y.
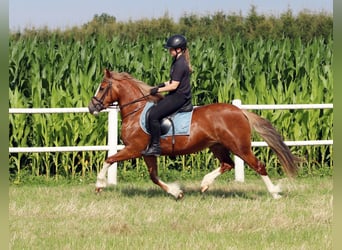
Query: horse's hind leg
{"type": "Point", "coordinates": [226, 164]}
{"type": "Point", "coordinates": [259, 167]}
{"type": "Point", "coordinates": [172, 189]}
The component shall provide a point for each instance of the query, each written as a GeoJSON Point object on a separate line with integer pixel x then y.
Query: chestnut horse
{"type": "Point", "coordinates": [223, 128]}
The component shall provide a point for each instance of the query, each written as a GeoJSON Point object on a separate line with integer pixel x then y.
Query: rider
{"type": "Point", "coordinates": [178, 87]}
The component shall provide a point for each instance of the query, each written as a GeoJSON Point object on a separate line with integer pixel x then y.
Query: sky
{"type": "Point", "coordinates": [68, 13]}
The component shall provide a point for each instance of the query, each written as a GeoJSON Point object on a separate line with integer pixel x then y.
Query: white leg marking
{"type": "Point", "coordinates": [101, 181]}
{"type": "Point", "coordinates": [273, 189]}
{"type": "Point", "coordinates": [208, 179]}
{"type": "Point", "coordinates": [174, 190]}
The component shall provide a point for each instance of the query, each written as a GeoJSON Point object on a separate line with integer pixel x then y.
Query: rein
{"type": "Point", "coordinates": [132, 102]}
{"type": "Point", "coordinates": [135, 101]}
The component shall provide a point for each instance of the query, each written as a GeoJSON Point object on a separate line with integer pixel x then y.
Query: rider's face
{"type": "Point", "coordinates": [173, 52]}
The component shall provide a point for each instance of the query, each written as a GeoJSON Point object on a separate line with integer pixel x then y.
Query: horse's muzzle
{"type": "Point", "coordinates": [95, 107]}
{"type": "Point", "coordinates": [92, 110]}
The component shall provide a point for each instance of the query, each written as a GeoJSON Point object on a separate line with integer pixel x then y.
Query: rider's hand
{"type": "Point", "coordinates": [154, 91]}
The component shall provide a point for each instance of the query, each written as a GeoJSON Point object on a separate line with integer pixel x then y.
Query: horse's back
{"type": "Point", "coordinates": [217, 108]}
{"type": "Point", "coordinates": [220, 115]}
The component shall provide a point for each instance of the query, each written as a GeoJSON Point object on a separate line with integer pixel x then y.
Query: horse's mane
{"type": "Point", "coordinates": [144, 88]}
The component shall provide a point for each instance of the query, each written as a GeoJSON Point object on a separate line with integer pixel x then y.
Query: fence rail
{"type": "Point", "coordinates": [112, 146]}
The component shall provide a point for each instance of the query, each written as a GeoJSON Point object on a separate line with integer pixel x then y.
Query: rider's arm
{"type": "Point", "coordinates": [169, 86]}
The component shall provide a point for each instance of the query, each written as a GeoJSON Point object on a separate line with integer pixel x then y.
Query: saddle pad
{"type": "Point", "coordinates": [181, 121]}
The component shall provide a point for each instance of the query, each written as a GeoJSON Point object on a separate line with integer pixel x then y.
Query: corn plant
{"type": "Point", "coordinates": [66, 72]}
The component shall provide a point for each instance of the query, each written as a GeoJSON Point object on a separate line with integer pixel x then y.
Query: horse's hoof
{"type": "Point", "coordinates": [203, 189]}
{"type": "Point", "coordinates": [276, 196]}
{"type": "Point", "coordinates": [180, 195]}
{"type": "Point", "coordinates": [98, 190]}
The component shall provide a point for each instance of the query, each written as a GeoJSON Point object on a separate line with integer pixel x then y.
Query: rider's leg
{"type": "Point", "coordinates": [165, 107]}
{"type": "Point", "coordinates": [154, 147]}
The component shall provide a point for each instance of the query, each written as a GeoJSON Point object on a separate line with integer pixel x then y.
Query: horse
{"type": "Point", "coordinates": [223, 128]}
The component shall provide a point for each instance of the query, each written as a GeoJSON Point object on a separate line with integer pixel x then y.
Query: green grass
{"type": "Point", "coordinates": [141, 216]}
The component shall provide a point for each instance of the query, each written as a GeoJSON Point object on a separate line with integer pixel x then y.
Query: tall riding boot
{"type": "Point", "coordinates": [154, 147]}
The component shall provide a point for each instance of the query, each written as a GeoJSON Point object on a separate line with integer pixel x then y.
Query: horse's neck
{"type": "Point", "coordinates": [131, 101]}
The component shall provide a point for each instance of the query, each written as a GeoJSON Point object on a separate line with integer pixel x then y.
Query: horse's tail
{"type": "Point", "coordinates": [275, 142]}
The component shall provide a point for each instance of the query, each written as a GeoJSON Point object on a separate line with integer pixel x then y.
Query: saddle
{"type": "Point", "coordinates": [167, 123]}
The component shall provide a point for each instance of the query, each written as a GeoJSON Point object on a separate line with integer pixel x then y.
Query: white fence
{"type": "Point", "coordinates": [112, 146]}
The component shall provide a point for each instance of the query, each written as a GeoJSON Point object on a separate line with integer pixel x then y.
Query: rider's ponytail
{"type": "Point", "coordinates": [187, 58]}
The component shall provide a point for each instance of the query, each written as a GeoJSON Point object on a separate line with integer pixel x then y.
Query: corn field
{"type": "Point", "coordinates": [66, 72]}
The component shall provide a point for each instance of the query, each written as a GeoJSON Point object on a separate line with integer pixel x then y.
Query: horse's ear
{"type": "Point", "coordinates": [107, 73]}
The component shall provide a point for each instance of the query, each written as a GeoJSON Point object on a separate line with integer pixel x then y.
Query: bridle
{"type": "Point", "coordinates": [99, 101]}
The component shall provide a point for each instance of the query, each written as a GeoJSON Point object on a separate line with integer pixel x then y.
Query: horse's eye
{"type": "Point", "coordinates": [101, 88]}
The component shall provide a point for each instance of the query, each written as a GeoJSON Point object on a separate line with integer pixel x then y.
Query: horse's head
{"type": "Point", "coordinates": [105, 94]}
{"type": "Point", "coordinates": [121, 88]}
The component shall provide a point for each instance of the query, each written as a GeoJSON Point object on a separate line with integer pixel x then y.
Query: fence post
{"type": "Point", "coordinates": [112, 143]}
{"type": "Point", "coordinates": [239, 164]}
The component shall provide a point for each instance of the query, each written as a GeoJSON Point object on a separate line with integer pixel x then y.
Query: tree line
{"type": "Point", "coordinates": [305, 25]}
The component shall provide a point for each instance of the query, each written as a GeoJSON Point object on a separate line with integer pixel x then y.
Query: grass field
{"type": "Point", "coordinates": [230, 215]}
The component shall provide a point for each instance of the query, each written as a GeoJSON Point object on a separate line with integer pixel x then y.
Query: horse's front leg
{"type": "Point", "coordinates": [172, 188]}
{"type": "Point", "coordinates": [101, 181]}
{"type": "Point", "coordinates": [125, 154]}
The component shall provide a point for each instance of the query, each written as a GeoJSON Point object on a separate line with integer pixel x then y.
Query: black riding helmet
{"type": "Point", "coordinates": [176, 41]}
